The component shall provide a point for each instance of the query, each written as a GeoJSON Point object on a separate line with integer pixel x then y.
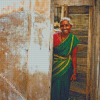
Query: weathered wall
{"type": "Point", "coordinates": [24, 51]}
{"type": "Point", "coordinates": [13, 55]}
{"type": "Point", "coordinates": [39, 54]}
{"type": "Point", "coordinates": [12, 6]}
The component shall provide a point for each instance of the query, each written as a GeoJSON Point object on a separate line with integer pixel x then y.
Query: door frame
{"type": "Point", "coordinates": [92, 51]}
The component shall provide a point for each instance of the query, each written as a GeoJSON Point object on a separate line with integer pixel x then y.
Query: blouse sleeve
{"type": "Point", "coordinates": [74, 50]}
{"type": "Point", "coordinates": [56, 40]}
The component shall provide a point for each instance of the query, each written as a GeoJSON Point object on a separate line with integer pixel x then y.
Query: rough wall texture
{"type": "Point", "coordinates": [24, 63]}
{"type": "Point", "coordinates": [13, 54]}
{"type": "Point", "coordinates": [38, 58]}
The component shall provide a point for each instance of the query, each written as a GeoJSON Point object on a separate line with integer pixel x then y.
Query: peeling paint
{"type": "Point", "coordinates": [14, 42]}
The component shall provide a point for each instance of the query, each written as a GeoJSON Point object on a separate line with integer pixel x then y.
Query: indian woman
{"type": "Point", "coordinates": [64, 61]}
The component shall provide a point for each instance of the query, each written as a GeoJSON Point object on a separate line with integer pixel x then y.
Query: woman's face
{"type": "Point", "coordinates": [65, 27]}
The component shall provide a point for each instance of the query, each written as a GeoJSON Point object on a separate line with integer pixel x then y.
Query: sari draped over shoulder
{"type": "Point", "coordinates": [62, 57]}
{"type": "Point", "coordinates": [62, 67]}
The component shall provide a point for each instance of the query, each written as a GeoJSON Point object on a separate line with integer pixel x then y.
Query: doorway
{"type": "Point", "coordinates": [81, 19]}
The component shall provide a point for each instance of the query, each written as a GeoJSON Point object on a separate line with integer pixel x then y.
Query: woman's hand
{"type": "Point", "coordinates": [73, 78]}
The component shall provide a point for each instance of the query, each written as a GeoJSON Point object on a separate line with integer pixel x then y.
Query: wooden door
{"type": "Point", "coordinates": [80, 29]}
{"type": "Point", "coordinates": [81, 17]}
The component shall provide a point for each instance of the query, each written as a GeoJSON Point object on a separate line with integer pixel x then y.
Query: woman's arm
{"type": "Point", "coordinates": [74, 60]}
{"type": "Point", "coordinates": [74, 63]}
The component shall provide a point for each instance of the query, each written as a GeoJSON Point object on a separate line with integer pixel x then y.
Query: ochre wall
{"type": "Point", "coordinates": [20, 77]}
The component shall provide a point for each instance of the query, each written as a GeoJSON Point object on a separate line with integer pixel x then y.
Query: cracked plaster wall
{"type": "Point", "coordinates": [23, 76]}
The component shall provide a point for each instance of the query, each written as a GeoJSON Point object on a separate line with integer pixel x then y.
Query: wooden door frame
{"type": "Point", "coordinates": [89, 52]}
{"type": "Point", "coordinates": [95, 73]}
{"type": "Point", "coordinates": [89, 48]}
{"type": "Point", "coordinates": [93, 52]}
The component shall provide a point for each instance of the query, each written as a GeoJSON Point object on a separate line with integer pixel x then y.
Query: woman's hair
{"type": "Point", "coordinates": [68, 19]}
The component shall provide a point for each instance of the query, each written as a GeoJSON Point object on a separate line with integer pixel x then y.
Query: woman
{"type": "Point", "coordinates": [64, 61]}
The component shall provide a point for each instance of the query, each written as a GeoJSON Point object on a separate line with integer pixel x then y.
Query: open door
{"type": "Point", "coordinates": [81, 17]}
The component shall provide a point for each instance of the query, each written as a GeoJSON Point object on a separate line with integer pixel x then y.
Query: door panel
{"type": "Point", "coordinates": [80, 19]}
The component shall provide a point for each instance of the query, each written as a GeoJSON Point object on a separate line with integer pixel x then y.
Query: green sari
{"type": "Point", "coordinates": [62, 68]}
